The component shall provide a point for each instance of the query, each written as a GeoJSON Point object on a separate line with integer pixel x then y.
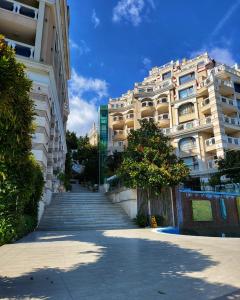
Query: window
{"type": "Point", "coordinates": [149, 90]}
{"type": "Point", "coordinates": [186, 78]}
{"type": "Point", "coordinates": [187, 144]}
{"type": "Point", "coordinates": [237, 87]}
{"type": "Point", "coordinates": [185, 109]}
{"type": "Point", "coordinates": [186, 92]}
{"type": "Point", "coordinates": [166, 75]}
{"type": "Point", "coordinates": [191, 162]}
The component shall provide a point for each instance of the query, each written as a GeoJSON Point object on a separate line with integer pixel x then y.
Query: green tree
{"type": "Point", "coordinates": [113, 163]}
{"type": "Point", "coordinates": [149, 162]}
{"type": "Point", "coordinates": [230, 166]}
{"type": "Point", "coordinates": [71, 140]}
{"type": "Point", "coordinates": [21, 180]}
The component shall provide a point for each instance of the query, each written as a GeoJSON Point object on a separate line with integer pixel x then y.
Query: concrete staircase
{"type": "Point", "coordinates": [83, 211]}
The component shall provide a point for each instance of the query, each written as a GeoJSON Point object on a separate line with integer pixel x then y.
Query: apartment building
{"type": "Point", "coordinates": [93, 135]}
{"type": "Point", "coordinates": [38, 31]}
{"type": "Point", "coordinates": [196, 102]}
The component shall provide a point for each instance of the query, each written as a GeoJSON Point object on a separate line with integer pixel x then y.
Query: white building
{"type": "Point", "coordinates": [38, 31]}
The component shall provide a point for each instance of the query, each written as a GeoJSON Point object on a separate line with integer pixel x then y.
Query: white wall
{"type": "Point", "coordinates": [127, 199]}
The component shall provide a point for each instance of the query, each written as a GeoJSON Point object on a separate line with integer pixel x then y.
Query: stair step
{"type": "Point", "coordinates": [82, 210]}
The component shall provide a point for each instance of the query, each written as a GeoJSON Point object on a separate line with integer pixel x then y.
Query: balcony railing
{"type": "Point", "coordinates": [227, 83]}
{"type": "Point", "coordinates": [129, 116]}
{"type": "Point", "coordinates": [21, 48]}
{"type": "Point", "coordinates": [146, 103]}
{"type": "Point", "coordinates": [118, 118]}
{"type": "Point", "coordinates": [231, 121]}
{"type": "Point", "coordinates": [166, 131]}
{"type": "Point", "coordinates": [210, 142]}
{"type": "Point", "coordinates": [229, 101]}
{"type": "Point", "coordinates": [187, 125]}
{"type": "Point", "coordinates": [19, 8]}
{"type": "Point", "coordinates": [232, 140]}
{"type": "Point", "coordinates": [205, 102]}
{"type": "Point", "coordinates": [163, 117]}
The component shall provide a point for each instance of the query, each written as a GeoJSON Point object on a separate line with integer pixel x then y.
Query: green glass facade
{"type": "Point", "coordinates": [103, 142]}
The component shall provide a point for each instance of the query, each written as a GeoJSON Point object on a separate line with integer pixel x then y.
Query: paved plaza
{"type": "Point", "coordinates": [119, 264]}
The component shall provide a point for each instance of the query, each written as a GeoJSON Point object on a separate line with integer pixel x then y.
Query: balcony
{"type": "Point", "coordinates": [129, 121]}
{"type": "Point", "coordinates": [19, 8]}
{"type": "Point", "coordinates": [229, 105]}
{"type": "Point", "coordinates": [147, 108]}
{"type": "Point", "coordinates": [118, 135]}
{"type": "Point", "coordinates": [165, 85]}
{"type": "Point", "coordinates": [231, 142]}
{"type": "Point", "coordinates": [212, 164]}
{"type": "Point", "coordinates": [210, 144]}
{"type": "Point", "coordinates": [42, 122]}
{"type": "Point", "coordinates": [166, 131]}
{"type": "Point", "coordinates": [118, 122]}
{"type": "Point", "coordinates": [186, 126]}
{"type": "Point", "coordinates": [162, 105]}
{"type": "Point", "coordinates": [148, 119]}
{"type": "Point", "coordinates": [225, 86]}
{"type": "Point", "coordinates": [18, 19]}
{"type": "Point", "coordinates": [206, 105]}
{"type": "Point", "coordinates": [21, 48]}
{"type": "Point", "coordinates": [231, 121]}
{"type": "Point", "coordinates": [164, 120]}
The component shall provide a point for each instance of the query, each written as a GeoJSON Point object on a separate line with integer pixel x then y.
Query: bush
{"type": "Point", "coordinates": [21, 179]}
{"type": "Point", "coordinates": [141, 220]}
{"type": "Point", "coordinates": [160, 220]}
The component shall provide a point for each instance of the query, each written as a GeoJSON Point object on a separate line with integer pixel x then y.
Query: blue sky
{"type": "Point", "coordinates": [114, 43]}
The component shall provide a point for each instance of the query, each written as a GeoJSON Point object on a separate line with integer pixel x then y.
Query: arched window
{"type": "Point", "coordinates": [185, 109]}
{"type": "Point", "coordinates": [187, 143]}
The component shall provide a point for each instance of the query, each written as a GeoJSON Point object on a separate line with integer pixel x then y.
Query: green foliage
{"type": "Point", "coordinates": [149, 162]}
{"type": "Point", "coordinates": [161, 221]}
{"type": "Point", "coordinates": [21, 180]}
{"type": "Point", "coordinates": [141, 220]}
{"type": "Point", "coordinates": [230, 166]}
{"type": "Point", "coordinates": [72, 140]}
{"type": "Point", "coordinates": [86, 155]}
{"type": "Point", "coordinates": [113, 163]}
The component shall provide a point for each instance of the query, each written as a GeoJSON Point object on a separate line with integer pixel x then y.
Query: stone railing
{"type": "Point", "coordinates": [21, 48]}
{"type": "Point", "coordinates": [19, 8]}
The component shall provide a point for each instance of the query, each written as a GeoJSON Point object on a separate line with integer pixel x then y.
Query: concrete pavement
{"type": "Point", "coordinates": [130, 264]}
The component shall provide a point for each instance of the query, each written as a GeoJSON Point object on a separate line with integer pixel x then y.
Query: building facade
{"type": "Point", "coordinates": [93, 135]}
{"type": "Point", "coordinates": [38, 31]}
{"type": "Point", "coordinates": [196, 102]}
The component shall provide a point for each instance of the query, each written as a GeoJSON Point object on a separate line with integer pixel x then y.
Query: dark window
{"type": "Point", "coordinates": [186, 92]}
{"type": "Point", "coordinates": [237, 87]}
{"type": "Point", "coordinates": [186, 78]}
{"type": "Point", "coordinates": [166, 75]}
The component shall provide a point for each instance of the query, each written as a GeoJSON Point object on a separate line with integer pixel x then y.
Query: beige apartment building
{"type": "Point", "coordinates": [93, 135]}
{"type": "Point", "coordinates": [196, 102]}
{"type": "Point", "coordinates": [38, 31]}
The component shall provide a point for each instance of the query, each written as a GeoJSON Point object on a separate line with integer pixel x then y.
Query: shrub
{"type": "Point", "coordinates": [160, 220]}
{"type": "Point", "coordinates": [141, 220]}
{"type": "Point", "coordinates": [21, 179]}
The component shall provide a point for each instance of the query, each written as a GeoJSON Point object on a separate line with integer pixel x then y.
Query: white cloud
{"type": "Point", "coordinates": [147, 62]}
{"type": "Point", "coordinates": [226, 17]}
{"type": "Point", "coordinates": [95, 19]}
{"type": "Point", "coordinates": [130, 11]}
{"type": "Point", "coordinates": [82, 47]}
{"type": "Point", "coordinates": [220, 54]}
{"type": "Point", "coordinates": [83, 112]}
